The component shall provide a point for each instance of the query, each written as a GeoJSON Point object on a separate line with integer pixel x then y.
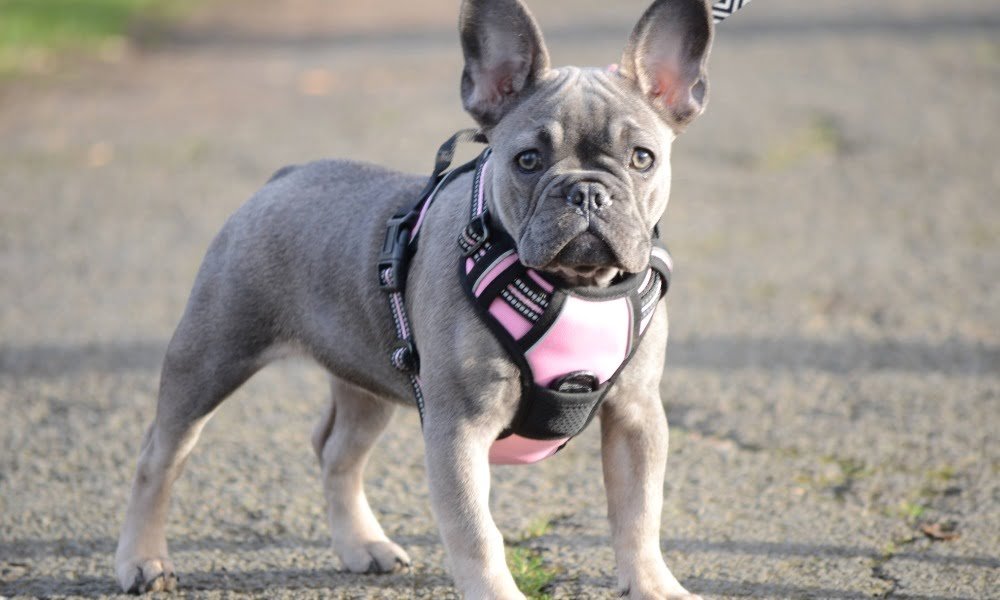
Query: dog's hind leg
{"type": "Point", "coordinates": [207, 359]}
{"type": "Point", "coordinates": [343, 440]}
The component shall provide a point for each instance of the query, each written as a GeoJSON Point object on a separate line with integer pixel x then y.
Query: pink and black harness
{"type": "Point", "coordinates": [570, 344]}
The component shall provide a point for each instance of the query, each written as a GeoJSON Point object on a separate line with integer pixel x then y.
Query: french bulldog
{"type": "Point", "coordinates": [293, 270]}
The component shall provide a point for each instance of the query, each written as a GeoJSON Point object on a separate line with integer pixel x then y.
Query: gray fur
{"type": "Point", "coordinates": [294, 268]}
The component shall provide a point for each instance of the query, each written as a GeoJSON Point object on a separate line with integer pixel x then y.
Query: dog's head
{"type": "Point", "coordinates": [581, 157]}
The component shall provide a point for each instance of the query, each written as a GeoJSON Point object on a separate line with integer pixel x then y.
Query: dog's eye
{"type": "Point", "coordinates": [642, 159]}
{"type": "Point", "coordinates": [529, 161]}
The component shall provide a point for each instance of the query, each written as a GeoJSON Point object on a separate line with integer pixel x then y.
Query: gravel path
{"type": "Point", "coordinates": [833, 378]}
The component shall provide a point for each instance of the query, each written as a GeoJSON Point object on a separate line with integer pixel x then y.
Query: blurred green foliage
{"type": "Point", "coordinates": [35, 32]}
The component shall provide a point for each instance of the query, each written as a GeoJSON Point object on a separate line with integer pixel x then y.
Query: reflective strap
{"type": "Point", "coordinates": [444, 181]}
{"type": "Point", "coordinates": [404, 355]}
{"type": "Point", "coordinates": [478, 191]}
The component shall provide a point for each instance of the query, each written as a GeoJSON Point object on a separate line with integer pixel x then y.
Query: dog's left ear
{"type": "Point", "coordinates": [667, 58]}
{"type": "Point", "coordinates": [504, 56]}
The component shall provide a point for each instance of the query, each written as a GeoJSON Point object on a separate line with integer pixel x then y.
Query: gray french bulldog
{"type": "Point", "coordinates": [293, 271]}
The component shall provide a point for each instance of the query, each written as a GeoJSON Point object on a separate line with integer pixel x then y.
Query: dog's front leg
{"type": "Point", "coordinates": [634, 440]}
{"type": "Point", "coordinates": [459, 477]}
{"type": "Point", "coordinates": [634, 451]}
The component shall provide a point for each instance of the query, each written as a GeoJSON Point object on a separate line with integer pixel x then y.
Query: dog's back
{"type": "Point", "coordinates": [281, 262]}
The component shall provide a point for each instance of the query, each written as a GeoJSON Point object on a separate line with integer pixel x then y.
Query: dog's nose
{"type": "Point", "coordinates": [588, 195]}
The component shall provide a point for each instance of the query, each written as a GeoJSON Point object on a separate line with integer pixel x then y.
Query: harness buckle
{"type": "Point", "coordinates": [474, 235]}
{"type": "Point", "coordinates": [394, 258]}
{"type": "Point", "coordinates": [405, 357]}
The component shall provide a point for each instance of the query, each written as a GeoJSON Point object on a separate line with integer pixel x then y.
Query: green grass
{"type": "Point", "coordinates": [942, 474]}
{"type": "Point", "coordinates": [536, 529]}
{"type": "Point", "coordinates": [839, 480]}
{"type": "Point", "coordinates": [35, 32]}
{"type": "Point", "coordinates": [911, 511]}
{"type": "Point", "coordinates": [532, 575]}
{"type": "Point", "coordinates": [530, 572]}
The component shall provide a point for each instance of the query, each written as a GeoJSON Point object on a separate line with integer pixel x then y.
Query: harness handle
{"type": "Point", "coordinates": [446, 155]}
{"type": "Point", "coordinates": [395, 255]}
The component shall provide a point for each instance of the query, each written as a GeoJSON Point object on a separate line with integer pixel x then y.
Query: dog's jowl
{"type": "Point", "coordinates": [533, 300]}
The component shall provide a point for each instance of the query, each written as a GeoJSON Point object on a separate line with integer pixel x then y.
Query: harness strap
{"type": "Point", "coordinates": [399, 246]}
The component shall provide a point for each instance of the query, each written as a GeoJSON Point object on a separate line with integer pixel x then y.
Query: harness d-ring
{"type": "Point", "coordinates": [476, 233]}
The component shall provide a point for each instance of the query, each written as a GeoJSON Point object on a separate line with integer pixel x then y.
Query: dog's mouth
{"type": "Point", "coordinates": [585, 260]}
{"type": "Point", "coordinates": [581, 253]}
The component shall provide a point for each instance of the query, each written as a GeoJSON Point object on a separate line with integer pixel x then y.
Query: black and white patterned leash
{"type": "Point", "coordinates": [723, 8]}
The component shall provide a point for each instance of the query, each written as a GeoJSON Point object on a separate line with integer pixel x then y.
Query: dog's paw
{"type": "Point", "coordinates": [652, 580]}
{"type": "Point", "coordinates": [380, 556]}
{"type": "Point", "coordinates": [678, 593]}
{"type": "Point", "coordinates": [144, 575]}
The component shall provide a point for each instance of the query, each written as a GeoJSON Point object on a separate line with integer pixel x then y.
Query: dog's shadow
{"type": "Point", "coordinates": [18, 557]}
{"type": "Point", "coordinates": [18, 561]}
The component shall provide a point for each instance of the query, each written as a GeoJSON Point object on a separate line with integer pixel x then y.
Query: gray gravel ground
{"type": "Point", "coordinates": [833, 378]}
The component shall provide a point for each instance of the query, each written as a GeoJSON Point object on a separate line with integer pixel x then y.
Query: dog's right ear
{"type": "Point", "coordinates": [504, 55]}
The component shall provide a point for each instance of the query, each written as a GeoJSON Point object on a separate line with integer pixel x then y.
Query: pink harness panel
{"type": "Point", "coordinates": [587, 335]}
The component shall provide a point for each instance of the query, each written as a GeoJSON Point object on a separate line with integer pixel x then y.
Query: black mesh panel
{"type": "Point", "coordinates": [552, 415]}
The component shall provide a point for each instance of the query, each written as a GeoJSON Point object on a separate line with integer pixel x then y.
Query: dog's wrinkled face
{"type": "Point", "coordinates": [580, 172]}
